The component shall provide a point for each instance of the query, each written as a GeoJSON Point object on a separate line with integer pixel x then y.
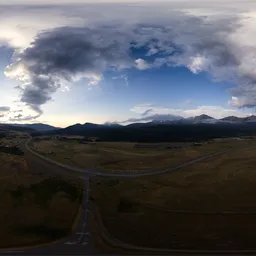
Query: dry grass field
{"type": "Point", "coordinates": [125, 156]}
{"type": "Point", "coordinates": [150, 211]}
{"type": "Point", "coordinates": [35, 208]}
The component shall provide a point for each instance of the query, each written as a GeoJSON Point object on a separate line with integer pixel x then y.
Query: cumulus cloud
{"type": "Point", "coordinates": [62, 56]}
{"type": "Point", "coordinates": [50, 57]}
{"type": "Point", "coordinates": [142, 64]}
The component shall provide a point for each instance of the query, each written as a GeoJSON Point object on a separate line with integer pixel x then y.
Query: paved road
{"type": "Point", "coordinates": [130, 173]}
{"type": "Point", "coordinates": [80, 242]}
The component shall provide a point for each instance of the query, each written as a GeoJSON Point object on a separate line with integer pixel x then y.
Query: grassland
{"type": "Point", "coordinates": [35, 208]}
{"type": "Point", "coordinates": [124, 155]}
{"type": "Point", "coordinates": [150, 211]}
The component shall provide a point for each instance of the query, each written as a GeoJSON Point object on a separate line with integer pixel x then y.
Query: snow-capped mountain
{"type": "Point", "coordinates": [205, 119]}
{"type": "Point", "coordinates": [166, 119]}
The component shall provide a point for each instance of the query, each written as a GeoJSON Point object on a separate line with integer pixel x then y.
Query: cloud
{"type": "Point", "coordinates": [214, 111]}
{"type": "Point", "coordinates": [147, 112]}
{"type": "Point", "coordinates": [62, 56]}
{"type": "Point", "coordinates": [20, 112]}
{"type": "Point", "coordinates": [156, 117]}
{"type": "Point", "coordinates": [82, 42]}
{"type": "Point", "coordinates": [4, 109]}
{"type": "Point", "coordinates": [142, 64]}
{"type": "Point", "coordinates": [124, 77]}
{"type": "Point", "coordinates": [20, 118]}
{"type": "Point", "coordinates": [144, 109]}
{"type": "Point", "coordinates": [164, 113]}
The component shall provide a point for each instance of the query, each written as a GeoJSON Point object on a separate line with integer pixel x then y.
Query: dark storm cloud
{"type": "Point", "coordinates": [60, 56]}
{"type": "Point", "coordinates": [67, 51]}
{"type": "Point", "coordinates": [64, 55]}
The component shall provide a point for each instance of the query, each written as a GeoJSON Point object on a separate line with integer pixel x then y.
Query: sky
{"type": "Point", "coordinates": [66, 62]}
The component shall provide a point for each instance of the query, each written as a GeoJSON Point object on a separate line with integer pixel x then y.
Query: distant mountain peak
{"type": "Point", "coordinates": [166, 118]}
{"type": "Point", "coordinates": [91, 124]}
{"type": "Point", "coordinates": [231, 118]}
{"type": "Point", "coordinates": [114, 124]}
{"type": "Point", "coordinates": [203, 119]}
{"type": "Point", "coordinates": [204, 116]}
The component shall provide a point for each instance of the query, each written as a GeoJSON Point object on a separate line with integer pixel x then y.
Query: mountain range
{"type": "Point", "coordinates": [37, 127]}
{"type": "Point", "coordinates": [198, 128]}
{"type": "Point", "coordinates": [205, 119]}
{"type": "Point", "coordinates": [201, 119]}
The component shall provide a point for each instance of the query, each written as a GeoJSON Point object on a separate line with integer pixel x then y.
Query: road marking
{"type": "Point", "coordinates": [82, 233]}
{"type": "Point", "coordinates": [71, 243]}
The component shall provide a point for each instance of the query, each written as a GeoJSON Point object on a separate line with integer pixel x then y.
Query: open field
{"type": "Point", "coordinates": [128, 156]}
{"type": "Point", "coordinates": [35, 207]}
{"type": "Point", "coordinates": [10, 138]}
{"type": "Point", "coordinates": [208, 205]}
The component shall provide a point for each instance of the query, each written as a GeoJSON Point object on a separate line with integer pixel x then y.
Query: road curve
{"type": "Point", "coordinates": [138, 173]}
{"type": "Point", "coordinates": [80, 241]}
{"type": "Point", "coordinates": [134, 248]}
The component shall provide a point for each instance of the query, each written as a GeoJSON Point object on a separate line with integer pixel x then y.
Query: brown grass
{"type": "Point", "coordinates": [123, 156]}
{"type": "Point", "coordinates": [140, 211]}
{"type": "Point", "coordinates": [32, 209]}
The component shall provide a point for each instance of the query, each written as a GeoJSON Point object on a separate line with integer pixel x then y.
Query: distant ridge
{"type": "Point", "coordinates": [8, 127]}
{"type": "Point", "coordinates": [204, 119]}
{"type": "Point", "coordinates": [232, 119]}
{"type": "Point", "coordinates": [37, 126]}
{"type": "Point", "coordinates": [198, 128]}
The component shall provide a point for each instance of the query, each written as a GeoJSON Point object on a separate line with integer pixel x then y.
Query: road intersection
{"type": "Point", "coordinates": [80, 242]}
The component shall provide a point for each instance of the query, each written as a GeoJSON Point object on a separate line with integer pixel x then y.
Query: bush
{"type": "Point", "coordinates": [125, 205]}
